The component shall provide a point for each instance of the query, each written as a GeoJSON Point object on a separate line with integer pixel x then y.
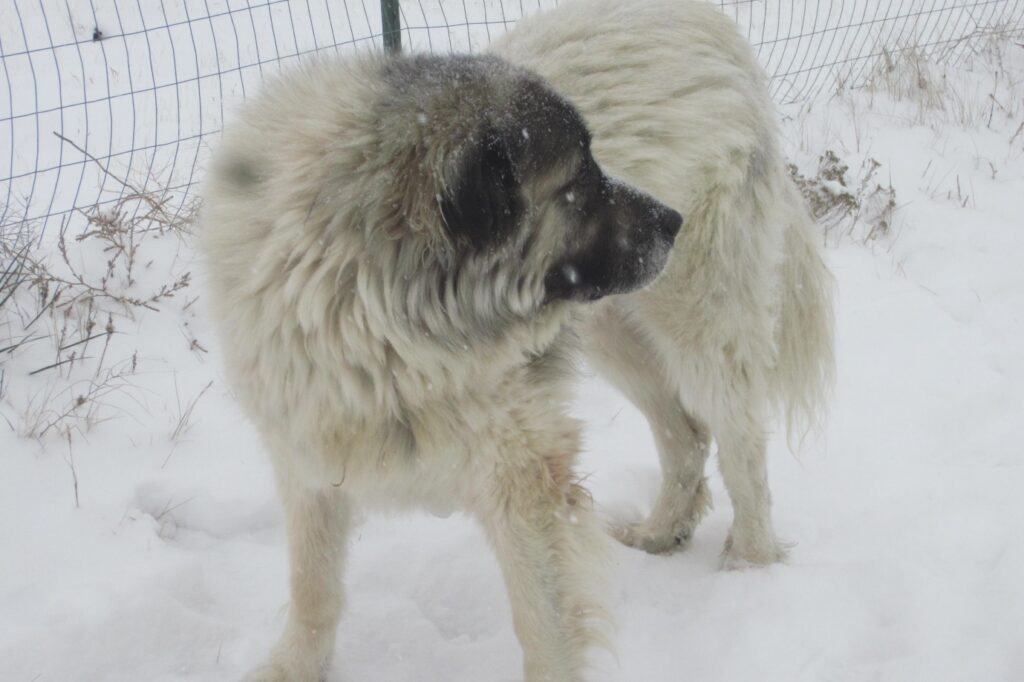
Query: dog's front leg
{"type": "Point", "coordinates": [626, 353]}
{"type": "Point", "coordinates": [317, 522]}
{"type": "Point", "coordinates": [550, 548]}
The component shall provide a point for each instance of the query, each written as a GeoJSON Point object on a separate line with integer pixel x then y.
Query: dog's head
{"type": "Point", "coordinates": [526, 184]}
{"type": "Point", "coordinates": [520, 186]}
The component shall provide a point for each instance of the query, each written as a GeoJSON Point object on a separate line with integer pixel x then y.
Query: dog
{"type": "Point", "coordinates": [397, 248]}
{"type": "Point", "coordinates": [741, 323]}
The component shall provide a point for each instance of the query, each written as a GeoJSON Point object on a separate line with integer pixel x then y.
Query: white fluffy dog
{"type": "Point", "coordinates": [396, 249]}
{"type": "Point", "coordinates": [399, 251]}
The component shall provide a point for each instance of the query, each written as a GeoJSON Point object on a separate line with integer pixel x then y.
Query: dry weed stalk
{"type": "Point", "coordinates": [184, 423]}
{"type": "Point", "coordinates": [76, 406]}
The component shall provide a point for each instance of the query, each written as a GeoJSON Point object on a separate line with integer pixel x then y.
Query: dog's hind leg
{"type": "Point", "coordinates": [741, 457]}
{"type": "Point", "coordinates": [317, 523]}
{"type": "Point", "coordinates": [627, 358]}
{"type": "Point", "coordinates": [549, 545]}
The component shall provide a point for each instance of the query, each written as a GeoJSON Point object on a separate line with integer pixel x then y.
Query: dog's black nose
{"type": "Point", "coordinates": [672, 223]}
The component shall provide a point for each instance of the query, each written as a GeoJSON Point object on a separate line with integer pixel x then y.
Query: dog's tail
{"type": "Point", "coordinates": [805, 372]}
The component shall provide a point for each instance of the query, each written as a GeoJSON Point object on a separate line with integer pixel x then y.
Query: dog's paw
{"type": "Point", "coordinates": [303, 654]}
{"type": "Point", "coordinates": [754, 554]}
{"type": "Point", "coordinates": [267, 673]}
{"type": "Point", "coordinates": [282, 672]}
{"type": "Point", "coordinates": [650, 539]}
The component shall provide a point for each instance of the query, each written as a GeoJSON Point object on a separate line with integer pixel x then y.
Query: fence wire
{"type": "Point", "coordinates": [93, 92]}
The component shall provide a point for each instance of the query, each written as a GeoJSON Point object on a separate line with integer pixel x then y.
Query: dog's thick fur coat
{"type": "Point", "coordinates": [741, 321]}
{"type": "Point", "coordinates": [396, 247]}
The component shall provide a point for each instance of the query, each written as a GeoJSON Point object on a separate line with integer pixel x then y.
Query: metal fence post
{"type": "Point", "coordinates": [392, 25]}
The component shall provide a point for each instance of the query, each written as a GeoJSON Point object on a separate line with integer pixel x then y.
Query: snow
{"type": "Point", "coordinates": [571, 274]}
{"type": "Point", "coordinates": [906, 511]}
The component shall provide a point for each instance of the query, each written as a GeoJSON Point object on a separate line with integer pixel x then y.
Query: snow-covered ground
{"type": "Point", "coordinates": [907, 511]}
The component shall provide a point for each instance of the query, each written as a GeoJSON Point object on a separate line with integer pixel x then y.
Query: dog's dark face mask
{"type": "Point", "coordinates": [528, 180]}
{"type": "Point", "coordinates": [619, 239]}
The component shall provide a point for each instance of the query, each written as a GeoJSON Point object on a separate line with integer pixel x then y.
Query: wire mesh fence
{"type": "Point", "coordinates": [95, 92]}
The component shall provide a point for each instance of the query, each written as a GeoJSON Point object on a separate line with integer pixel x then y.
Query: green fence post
{"type": "Point", "coordinates": [392, 25]}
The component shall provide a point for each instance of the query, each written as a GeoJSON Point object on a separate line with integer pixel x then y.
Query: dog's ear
{"type": "Point", "coordinates": [482, 206]}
